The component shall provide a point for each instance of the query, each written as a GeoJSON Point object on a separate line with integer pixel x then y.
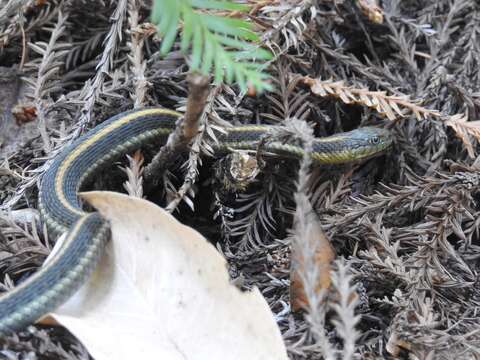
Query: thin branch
{"type": "Point", "coordinates": [186, 130]}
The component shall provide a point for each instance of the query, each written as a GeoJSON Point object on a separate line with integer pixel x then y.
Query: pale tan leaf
{"type": "Point", "coordinates": [464, 129]}
{"type": "Point", "coordinates": [163, 292]}
{"type": "Point", "coordinates": [378, 100]}
{"type": "Point", "coordinates": [321, 258]}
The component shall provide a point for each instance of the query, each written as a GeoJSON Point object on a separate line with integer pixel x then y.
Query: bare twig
{"type": "Point", "coordinates": [187, 129]}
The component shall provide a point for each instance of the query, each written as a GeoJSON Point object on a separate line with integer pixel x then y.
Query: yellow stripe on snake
{"type": "Point", "coordinates": [87, 233]}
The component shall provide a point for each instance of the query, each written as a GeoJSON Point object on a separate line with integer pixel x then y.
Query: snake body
{"type": "Point", "coordinates": [87, 232]}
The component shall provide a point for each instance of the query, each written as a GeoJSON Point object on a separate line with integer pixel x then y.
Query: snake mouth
{"type": "Point", "coordinates": [370, 154]}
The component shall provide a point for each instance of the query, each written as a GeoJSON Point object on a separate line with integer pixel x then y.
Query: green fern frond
{"type": "Point", "coordinates": [223, 44]}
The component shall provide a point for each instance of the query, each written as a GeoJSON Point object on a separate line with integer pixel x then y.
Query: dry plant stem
{"type": "Point", "coordinates": [269, 38]}
{"type": "Point", "coordinates": [9, 8]}
{"type": "Point", "coordinates": [138, 65]}
{"type": "Point", "coordinates": [92, 89]}
{"type": "Point", "coordinates": [14, 24]}
{"type": "Point", "coordinates": [134, 172]}
{"type": "Point", "coordinates": [193, 158]}
{"type": "Point", "coordinates": [40, 86]}
{"type": "Point", "coordinates": [305, 248]}
{"type": "Point", "coordinates": [185, 131]}
{"type": "Point", "coordinates": [345, 309]}
{"type": "Point", "coordinates": [197, 97]}
{"type": "Point", "coordinates": [312, 252]}
{"type": "Point", "coordinates": [351, 62]}
{"type": "Point", "coordinates": [52, 54]}
{"type": "Point", "coordinates": [280, 25]}
{"type": "Point", "coordinates": [24, 47]}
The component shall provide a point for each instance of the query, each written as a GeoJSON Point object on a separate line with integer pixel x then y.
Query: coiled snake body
{"type": "Point", "coordinates": [88, 232]}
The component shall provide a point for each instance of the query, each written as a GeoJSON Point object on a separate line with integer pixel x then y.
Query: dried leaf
{"type": "Point", "coordinates": [384, 104]}
{"type": "Point", "coordinates": [162, 291]}
{"type": "Point", "coordinates": [324, 255]}
{"type": "Point", "coordinates": [464, 129]}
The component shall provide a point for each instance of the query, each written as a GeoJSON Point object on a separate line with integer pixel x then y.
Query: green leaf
{"type": "Point", "coordinates": [208, 53]}
{"type": "Point", "coordinates": [219, 5]}
{"type": "Point", "coordinates": [255, 53]}
{"type": "Point", "coordinates": [188, 30]}
{"type": "Point", "coordinates": [233, 27]}
{"type": "Point", "coordinates": [222, 43]}
{"type": "Point", "coordinates": [156, 13]}
{"type": "Point", "coordinates": [229, 74]}
{"type": "Point", "coordinates": [164, 23]}
{"type": "Point", "coordinates": [219, 71]}
{"type": "Point", "coordinates": [170, 35]}
{"type": "Point", "coordinates": [234, 43]}
{"type": "Point", "coordinates": [240, 77]}
{"type": "Point", "coordinates": [197, 49]}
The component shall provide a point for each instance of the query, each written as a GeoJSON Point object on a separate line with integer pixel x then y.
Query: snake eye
{"type": "Point", "coordinates": [375, 140]}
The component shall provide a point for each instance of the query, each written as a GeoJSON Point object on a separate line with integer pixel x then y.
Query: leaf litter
{"type": "Point", "coordinates": [404, 226]}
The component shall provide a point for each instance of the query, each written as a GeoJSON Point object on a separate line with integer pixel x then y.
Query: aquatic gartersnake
{"type": "Point", "coordinates": [87, 233]}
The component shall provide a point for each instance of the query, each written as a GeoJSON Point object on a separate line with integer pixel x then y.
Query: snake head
{"type": "Point", "coordinates": [368, 141]}
{"type": "Point", "coordinates": [352, 146]}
